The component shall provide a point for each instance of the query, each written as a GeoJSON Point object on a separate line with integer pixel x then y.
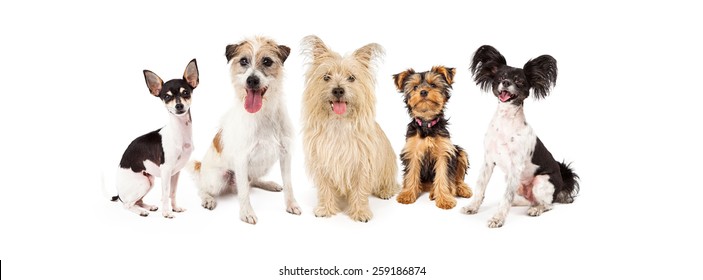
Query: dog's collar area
{"type": "Point", "coordinates": [426, 124]}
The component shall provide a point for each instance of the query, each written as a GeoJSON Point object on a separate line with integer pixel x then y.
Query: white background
{"type": "Point", "coordinates": [625, 110]}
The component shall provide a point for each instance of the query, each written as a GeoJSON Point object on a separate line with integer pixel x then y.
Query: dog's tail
{"type": "Point", "coordinates": [571, 187]}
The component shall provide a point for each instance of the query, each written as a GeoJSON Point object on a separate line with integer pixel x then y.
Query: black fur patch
{"type": "Point", "coordinates": [145, 147]}
{"type": "Point", "coordinates": [548, 166]}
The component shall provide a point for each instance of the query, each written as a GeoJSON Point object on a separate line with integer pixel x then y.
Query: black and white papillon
{"type": "Point", "coordinates": [511, 144]}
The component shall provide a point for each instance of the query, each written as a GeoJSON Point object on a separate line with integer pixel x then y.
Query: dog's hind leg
{"type": "Point", "coordinates": [543, 192]}
{"type": "Point", "coordinates": [266, 185]}
{"type": "Point", "coordinates": [141, 204]}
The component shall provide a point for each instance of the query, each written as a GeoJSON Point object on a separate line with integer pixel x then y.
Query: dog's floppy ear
{"type": "Point", "coordinates": [314, 48]}
{"type": "Point", "coordinates": [447, 73]}
{"type": "Point", "coordinates": [231, 50]}
{"type": "Point", "coordinates": [191, 74]}
{"type": "Point", "coordinates": [485, 64]}
{"type": "Point", "coordinates": [541, 73]}
{"type": "Point", "coordinates": [283, 52]}
{"type": "Point", "coordinates": [153, 82]}
{"type": "Point", "coordinates": [367, 54]}
{"type": "Point", "coordinates": [401, 78]}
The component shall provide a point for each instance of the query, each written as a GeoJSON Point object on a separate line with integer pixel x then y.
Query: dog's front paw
{"type": "Point", "coordinates": [496, 222]}
{"type": "Point", "coordinates": [321, 211]}
{"type": "Point", "coordinates": [209, 203]}
{"type": "Point", "coordinates": [446, 203]}
{"type": "Point", "coordinates": [143, 213]}
{"type": "Point", "coordinates": [178, 209]}
{"type": "Point", "coordinates": [464, 191]}
{"type": "Point", "coordinates": [406, 197]}
{"type": "Point", "coordinates": [168, 215]}
{"type": "Point", "coordinates": [293, 208]}
{"type": "Point", "coordinates": [364, 215]}
{"type": "Point", "coordinates": [470, 210]}
{"type": "Point", "coordinates": [248, 217]}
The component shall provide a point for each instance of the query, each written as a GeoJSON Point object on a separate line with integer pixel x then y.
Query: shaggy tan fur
{"type": "Point", "coordinates": [347, 155]}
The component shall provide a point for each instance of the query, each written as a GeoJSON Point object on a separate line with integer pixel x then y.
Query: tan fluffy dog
{"type": "Point", "coordinates": [346, 152]}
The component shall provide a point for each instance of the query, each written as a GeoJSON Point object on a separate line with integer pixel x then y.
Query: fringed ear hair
{"type": "Point", "coordinates": [447, 73]}
{"type": "Point", "coordinates": [541, 73]}
{"type": "Point", "coordinates": [368, 54]}
{"type": "Point", "coordinates": [400, 79]}
{"type": "Point", "coordinates": [314, 48]}
{"type": "Point", "coordinates": [153, 82]}
{"type": "Point", "coordinates": [190, 75]}
{"type": "Point", "coordinates": [485, 64]}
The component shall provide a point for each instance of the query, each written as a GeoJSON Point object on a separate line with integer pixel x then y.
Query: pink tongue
{"type": "Point", "coordinates": [339, 107]}
{"type": "Point", "coordinates": [504, 96]}
{"type": "Point", "coordinates": [253, 101]}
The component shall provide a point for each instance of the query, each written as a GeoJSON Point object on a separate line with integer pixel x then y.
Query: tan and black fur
{"type": "Point", "coordinates": [431, 162]}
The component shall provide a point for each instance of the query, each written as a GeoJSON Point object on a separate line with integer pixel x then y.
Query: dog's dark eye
{"type": "Point", "coordinates": [415, 88]}
{"type": "Point", "coordinates": [185, 93]}
{"type": "Point", "coordinates": [351, 78]}
{"type": "Point", "coordinates": [267, 62]}
{"type": "Point", "coordinates": [433, 85]}
{"type": "Point", "coordinates": [244, 61]}
{"type": "Point", "coordinates": [326, 77]}
{"type": "Point", "coordinates": [167, 97]}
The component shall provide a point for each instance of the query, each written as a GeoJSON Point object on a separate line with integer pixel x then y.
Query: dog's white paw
{"type": "Point", "coordinates": [469, 210]}
{"type": "Point", "coordinates": [535, 211]}
{"type": "Point", "coordinates": [153, 208]}
{"type": "Point", "coordinates": [496, 222]}
{"type": "Point", "coordinates": [168, 215]}
{"type": "Point", "coordinates": [248, 217]}
{"type": "Point", "coordinates": [209, 203]}
{"type": "Point", "coordinates": [267, 185]}
{"type": "Point", "coordinates": [143, 213]}
{"type": "Point", "coordinates": [178, 209]}
{"type": "Point", "coordinates": [293, 208]}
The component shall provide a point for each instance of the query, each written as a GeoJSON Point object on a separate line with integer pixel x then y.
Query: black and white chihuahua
{"type": "Point", "coordinates": [531, 171]}
{"type": "Point", "coordinates": [160, 153]}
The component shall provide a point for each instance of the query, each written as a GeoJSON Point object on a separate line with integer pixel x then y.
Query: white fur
{"type": "Point", "coordinates": [509, 144]}
{"type": "Point", "coordinates": [252, 143]}
{"type": "Point", "coordinates": [133, 186]}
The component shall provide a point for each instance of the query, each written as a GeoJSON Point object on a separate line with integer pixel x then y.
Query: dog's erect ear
{"type": "Point", "coordinates": [485, 64]}
{"type": "Point", "coordinates": [230, 51]}
{"type": "Point", "coordinates": [283, 53]}
{"type": "Point", "coordinates": [314, 48]}
{"type": "Point", "coordinates": [447, 73]}
{"type": "Point", "coordinates": [367, 54]}
{"type": "Point", "coordinates": [541, 73]}
{"type": "Point", "coordinates": [191, 74]}
{"type": "Point", "coordinates": [153, 82]}
{"type": "Point", "coordinates": [401, 78]}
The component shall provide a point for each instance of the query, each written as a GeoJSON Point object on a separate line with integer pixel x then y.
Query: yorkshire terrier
{"type": "Point", "coordinates": [347, 154]}
{"type": "Point", "coordinates": [431, 162]}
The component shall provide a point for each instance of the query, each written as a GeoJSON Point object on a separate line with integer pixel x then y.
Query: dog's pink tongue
{"type": "Point", "coordinates": [339, 107]}
{"type": "Point", "coordinates": [504, 96]}
{"type": "Point", "coordinates": [252, 103]}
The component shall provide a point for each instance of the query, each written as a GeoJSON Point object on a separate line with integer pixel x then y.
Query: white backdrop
{"type": "Point", "coordinates": [625, 110]}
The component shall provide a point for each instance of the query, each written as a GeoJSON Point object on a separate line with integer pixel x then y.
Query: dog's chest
{"type": "Point", "coordinates": [508, 140]}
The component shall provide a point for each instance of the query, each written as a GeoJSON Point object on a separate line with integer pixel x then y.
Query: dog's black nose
{"type": "Point", "coordinates": [179, 107]}
{"type": "Point", "coordinates": [338, 92]}
{"type": "Point", "coordinates": [253, 81]}
{"type": "Point", "coordinates": [506, 83]}
{"type": "Point", "coordinates": [423, 93]}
